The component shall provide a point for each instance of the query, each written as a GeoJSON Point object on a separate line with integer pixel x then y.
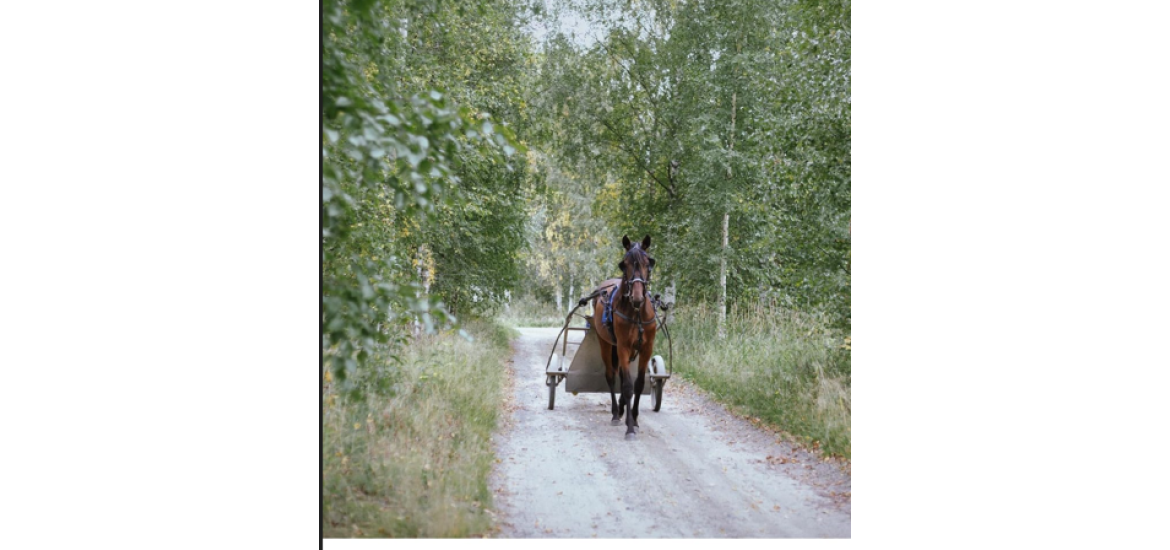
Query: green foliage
{"type": "Point", "coordinates": [571, 246]}
{"type": "Point", "coordinates": [410, 157]}
{"type": "Point", "coordinates": [646, 114]}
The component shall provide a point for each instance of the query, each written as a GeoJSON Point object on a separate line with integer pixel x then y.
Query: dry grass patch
{"type": "Point", "coordinates": [415, 463]}
{"type": "Point", "coordinates": [786, 368]}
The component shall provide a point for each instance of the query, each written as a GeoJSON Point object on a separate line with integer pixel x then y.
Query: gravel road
{"type": "Point", "coordinates": [695, 469]}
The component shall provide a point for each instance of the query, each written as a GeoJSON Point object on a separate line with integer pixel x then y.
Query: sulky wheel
{"type": "Point", "coordinates": [552, 392]}
{"type": "Point", "coordinates": [656, 393]}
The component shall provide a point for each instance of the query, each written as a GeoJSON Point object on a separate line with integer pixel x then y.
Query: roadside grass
{"type": "Point", "coordinates": [415, 463]}
{"type": "Point", "coordinates": [785, 368]}
{"type": "Point", "coordinates": [528, 312]}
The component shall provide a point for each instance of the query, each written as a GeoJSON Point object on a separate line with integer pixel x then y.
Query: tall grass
{"type": "Point", "coordinates": [415, 463]}
{"type": "Point", "coordinates": [527, 311]}
{"type": "Point", "coordinates": [786, 368]}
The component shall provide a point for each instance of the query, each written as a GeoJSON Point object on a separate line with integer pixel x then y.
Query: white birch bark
{"type": "Point", "coordinates": [723, 281]}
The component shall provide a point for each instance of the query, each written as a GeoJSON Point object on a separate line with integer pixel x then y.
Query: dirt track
{"type": "Point", "coordinates": [694, 471]}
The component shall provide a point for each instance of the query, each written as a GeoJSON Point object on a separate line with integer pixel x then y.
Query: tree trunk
{"type": "Point", "coordinates": [722, 329]}
{"type": "Point", "coordinates": [731, 138]}
{"type": "Point", "coordinates": [423, 276]}
{"type": "Point", "coordinates": [723, 281]}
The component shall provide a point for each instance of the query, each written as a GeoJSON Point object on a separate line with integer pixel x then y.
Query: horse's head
{"type": "Point", "coordinates": [636, 267]}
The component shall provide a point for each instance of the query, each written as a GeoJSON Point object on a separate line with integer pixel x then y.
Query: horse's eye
{"type": "Point", "coordinates": [622, 266]}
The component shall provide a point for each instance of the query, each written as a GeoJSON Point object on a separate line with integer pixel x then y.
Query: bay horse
{"type": "Point", "coordinates": [633, 330]}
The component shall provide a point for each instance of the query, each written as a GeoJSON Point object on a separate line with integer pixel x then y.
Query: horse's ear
{"type": "Point", "coordinates": [646, 243]}
{"type": "Point", "coordinates": [626, 241]}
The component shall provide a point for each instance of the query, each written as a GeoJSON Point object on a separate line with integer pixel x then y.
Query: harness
{"type": "Point", "coordinates": [609, 311]}
{"type": "Point", "coordinates": [633, 321]}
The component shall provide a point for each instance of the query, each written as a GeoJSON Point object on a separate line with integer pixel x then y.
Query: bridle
{"type": "Point", "coordinates": [628, 289]}
{"type": "Point", "coordinates": [628, 284]}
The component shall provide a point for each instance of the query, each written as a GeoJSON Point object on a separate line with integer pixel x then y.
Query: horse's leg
{"type": "Point", "coordinates": [623, 369]}
{"type": "Point", "coordinates": [627, 389]}
{"type": "Point", "coordinates": [639, 384]}
{"type": "Point", "coordinates": [609, 357]}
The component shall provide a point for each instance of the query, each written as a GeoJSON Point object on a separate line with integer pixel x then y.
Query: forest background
{"type": "Point", "coordinates": [480, 164]}
{"type": "Point", "coordinates": [466, 165]}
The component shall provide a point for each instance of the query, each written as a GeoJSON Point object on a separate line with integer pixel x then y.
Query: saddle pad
{"type": "Point", "coordinates": [607, 315]}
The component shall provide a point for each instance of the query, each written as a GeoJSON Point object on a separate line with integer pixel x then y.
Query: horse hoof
{"type": "Point", "coordinates": [631, 436]}
{"type": "Point", "coordinates": [615, 422]}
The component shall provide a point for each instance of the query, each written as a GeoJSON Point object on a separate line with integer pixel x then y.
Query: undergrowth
{"type": "Point", "coordinates": [530, 312]}
{"type": "Point", "coordinates": [788, 369]}
{"type": "Point", "coordinates": [414, 462]}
